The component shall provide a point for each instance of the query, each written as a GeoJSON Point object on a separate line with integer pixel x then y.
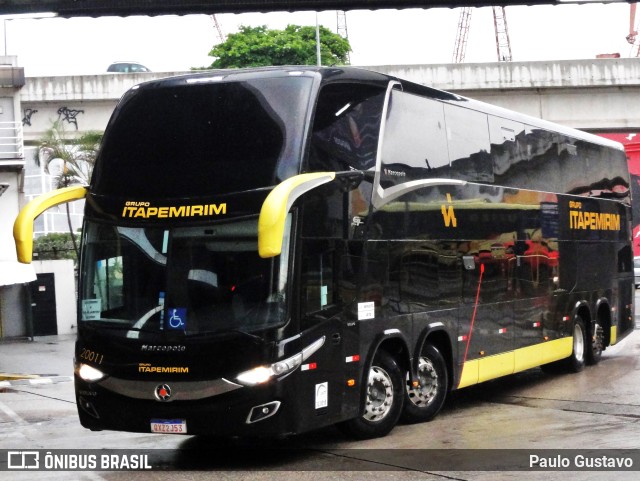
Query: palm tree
{"type": "Point", "coordinates": [78, 157]}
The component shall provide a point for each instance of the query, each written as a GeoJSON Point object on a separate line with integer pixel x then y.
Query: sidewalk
{"type": "Point", "coordinates": [46, 357]}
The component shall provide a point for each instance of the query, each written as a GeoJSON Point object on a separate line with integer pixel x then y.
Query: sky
{"type": "Point", "coordinates": [84, 46]}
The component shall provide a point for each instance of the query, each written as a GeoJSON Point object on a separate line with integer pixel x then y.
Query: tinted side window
{"type": "Point", "coordinates": [415, 144]}
{"type": "Point", "coordinates": [590, 169]}
{"type": "Point", "coordinates": [508, 148]}
{"type": "Point", "coordinates": [540, 169]}
{"type": "Point", "coordinates": [346, 128]}
{"type": "Point", "coordinates": [328, 277]}
{"type": "Point", "coordinates": [469, 145]}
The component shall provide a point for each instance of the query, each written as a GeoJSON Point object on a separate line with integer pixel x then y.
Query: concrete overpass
{"type": "Point", "coordinates": [596, 95]}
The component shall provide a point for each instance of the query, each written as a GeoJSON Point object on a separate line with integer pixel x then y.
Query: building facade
{"type": "Point", "coordinates": [14, 277]}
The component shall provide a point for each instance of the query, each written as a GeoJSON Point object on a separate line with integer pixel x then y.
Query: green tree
{"type": "Point", "coordinates": [75, 159]}
{"type": "Point", "coordinates": [54, 246]}
{"type": "Point", "coordinates": [295, 45]}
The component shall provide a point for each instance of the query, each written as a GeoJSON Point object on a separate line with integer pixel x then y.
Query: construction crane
{"type": "Point", "coordinates": [503, 43]}
{"type": "Point", "coordinates": [221, 36]}
{"type": "Point", "coordinates": [463, 32]}
{"type": "Point", "coordinates": [342, 28]}
{"type": "Point", "coordinates": [632, 38]}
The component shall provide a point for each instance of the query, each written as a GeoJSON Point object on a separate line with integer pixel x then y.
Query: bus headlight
{"type": "Point", "coordinates": [262, 374]}
{"type": "Point", "coordinates": [89, 373]}
{"type": "Point", "coordinates": [255, 376]}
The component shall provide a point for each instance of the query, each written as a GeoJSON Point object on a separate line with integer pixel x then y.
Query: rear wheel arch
{"type": "Point", "coordinates": [442, 342]}
{"type": "Point", "coordinates": [396, 347]}
{"type": "Point", "coordinates": [604, 319]}
{"type": "Point", "coordinates": [583, 312]}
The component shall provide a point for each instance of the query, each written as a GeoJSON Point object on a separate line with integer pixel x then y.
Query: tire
{"type": "Point", "coordinates": [595, 346]}
{"type": "Point", "coordinates": [422, 403]}
{"type": "Point", "coordinates": [383, 400]}
{"type": "Point", "coordinates": [576, 362]}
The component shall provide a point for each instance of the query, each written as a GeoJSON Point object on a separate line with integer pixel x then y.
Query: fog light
{"type": "Point", "coordinates": [88, 407]}
{"type": "Point", "coordinates": [262, 412]}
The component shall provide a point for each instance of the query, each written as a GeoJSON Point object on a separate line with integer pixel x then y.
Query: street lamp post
{"type": "Point", "coordinates": [318, 41]}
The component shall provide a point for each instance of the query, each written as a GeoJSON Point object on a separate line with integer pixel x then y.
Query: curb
{"type": "Point", "coordinates": [17, 380]}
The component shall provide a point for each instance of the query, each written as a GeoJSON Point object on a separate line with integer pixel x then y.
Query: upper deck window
{"type": "Point", "coordinates": [415, 142]}
{"type": "Point", "coordinates": [204, 138]}
{"type": "Point", "coordinates": [346, 127]}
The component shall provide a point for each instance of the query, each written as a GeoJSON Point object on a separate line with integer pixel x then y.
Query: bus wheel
{"type": "Point", "coordinates": [422, 403]}
{"type": "Point", "coordinates": [577, 359]}
{"type": "Point", "coordinates": [596, 346]}
{"type": "Point", "coordinates": [383, 401]}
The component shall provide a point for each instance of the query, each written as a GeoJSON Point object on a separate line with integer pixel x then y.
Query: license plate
{"type": "Point", "coordinates": [169, 426]}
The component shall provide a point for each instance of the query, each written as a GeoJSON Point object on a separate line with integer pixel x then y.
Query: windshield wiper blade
{"type": "Point", "coordinates": [137, 327]}
{"type": "Point", "coordinates": [105, 324]}
{"type": "Point", "coordinates": [223, 332]}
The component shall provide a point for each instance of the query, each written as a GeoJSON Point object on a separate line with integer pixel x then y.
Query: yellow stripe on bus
{"type": "Point", "coordinates": [614, 335]}
{"type": "Point", "coordinates": [498, 365]}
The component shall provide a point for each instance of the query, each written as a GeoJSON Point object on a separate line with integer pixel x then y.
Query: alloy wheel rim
{"type": "Point", "coordinates": [379, 395]}
{"type": "Point", "coordinates": [425, 393]}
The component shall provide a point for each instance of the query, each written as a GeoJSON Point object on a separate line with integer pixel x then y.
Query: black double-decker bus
{"type": "Point", "coordinates": [270, 251]}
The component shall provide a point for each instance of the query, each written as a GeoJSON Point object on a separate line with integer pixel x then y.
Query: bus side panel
{"type": "Point", "coordinates": [596, 259]}
{"type": "Point", "coordinates": [319, 392]}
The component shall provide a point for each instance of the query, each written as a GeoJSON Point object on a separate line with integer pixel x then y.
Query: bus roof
{"type": "Point", "coordinates": [356, 74]}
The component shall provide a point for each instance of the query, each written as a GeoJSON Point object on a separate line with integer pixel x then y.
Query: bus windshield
{"type": "Point", "coordinates": [180, 280]}
{"type": "Point", "coordinates": [235, 135]}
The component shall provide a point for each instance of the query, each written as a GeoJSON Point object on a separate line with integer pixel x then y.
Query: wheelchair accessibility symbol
{"type": "Point", "coordinates": [177, 318]}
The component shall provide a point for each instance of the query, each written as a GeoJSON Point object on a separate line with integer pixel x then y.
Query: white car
{"type": "Point", "coordinates": [127, 67]}
{"type": "Point", "coordinates": [636, 271]}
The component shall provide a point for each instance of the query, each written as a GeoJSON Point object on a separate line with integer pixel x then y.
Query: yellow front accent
{"type": "Point", "coordinates": [492, 367]}
{"type": "Point", "coordinates": [276, 207]}
{"type": "Point", "coordinates": [469, 374]}
{"type": "Point", "coordinates": [23, 226]}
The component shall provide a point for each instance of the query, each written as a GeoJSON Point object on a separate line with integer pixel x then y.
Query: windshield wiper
{"type": "Point", "coordinates": [108, 324]}
{"type": "Point", "coordinates": [245, 333]}
{"type": "Point", "coordinates": [253, 337]}
{"type": "Point", "coordinates": [134, 330]}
